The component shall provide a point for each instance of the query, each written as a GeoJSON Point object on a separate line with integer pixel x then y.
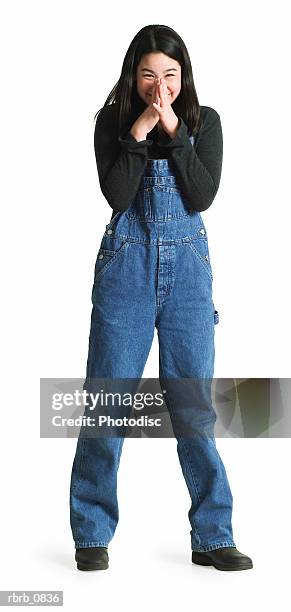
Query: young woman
{"type": "Point", "coordinates": [159, 158]}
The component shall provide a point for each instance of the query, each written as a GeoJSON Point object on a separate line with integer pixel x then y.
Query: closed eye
{"type": "Point", "coordinates": [150, 75]}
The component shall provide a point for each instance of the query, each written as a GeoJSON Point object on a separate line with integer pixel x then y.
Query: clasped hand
{"type": "Point", "coordinates": [168, 119]}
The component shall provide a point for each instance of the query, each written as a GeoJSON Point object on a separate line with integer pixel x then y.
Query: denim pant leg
{"type": "Point", "coordinates": [121, 334]}
{"type": "Point", "coordinates": [186, 339]}
{"type": "Point", "coordinates": [94, 509]}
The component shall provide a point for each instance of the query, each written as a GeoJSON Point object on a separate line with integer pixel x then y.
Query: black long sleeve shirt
{"type": "Point", "coordinates": [121, 160]}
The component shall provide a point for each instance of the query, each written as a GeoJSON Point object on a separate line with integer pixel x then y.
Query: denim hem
{"type": "Point", "coordinates": [212, 546]}
{"type": "Point", "coordinates": [90, 544]}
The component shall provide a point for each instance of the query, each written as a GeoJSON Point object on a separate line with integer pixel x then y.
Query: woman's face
{"type": "Point", "coordinates": [153, 66]}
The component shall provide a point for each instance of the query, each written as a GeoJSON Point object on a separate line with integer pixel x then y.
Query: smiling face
{"type": "Point", "coordinates": [152, 66]}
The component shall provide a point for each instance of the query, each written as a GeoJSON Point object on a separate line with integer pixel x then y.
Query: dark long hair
{"type": "Point", "coordinates": [153, 38]}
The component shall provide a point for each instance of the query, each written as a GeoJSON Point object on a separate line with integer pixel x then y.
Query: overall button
{"type": "Point", "coordinates": [202, 231]}
{"type": "Point", "coordinates": [110, 231]}
{"type": "Point", "coordinates": [101, 256]}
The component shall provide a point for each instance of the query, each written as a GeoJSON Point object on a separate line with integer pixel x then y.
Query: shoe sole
{"type": "Point", "coordinates": [92, 566]}
{"type": "Point", "coordinates": [198, 560]}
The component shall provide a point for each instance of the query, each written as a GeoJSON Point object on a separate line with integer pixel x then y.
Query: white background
{"type": "Point", "coordinates": [60, 60]}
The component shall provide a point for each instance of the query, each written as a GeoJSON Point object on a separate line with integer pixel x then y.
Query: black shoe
{"type": "Point", "coordinates": [94, 558]}
{"type": "Point", "coordinates": [228, 558]}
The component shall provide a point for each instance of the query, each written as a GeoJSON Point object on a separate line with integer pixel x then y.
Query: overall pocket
{"type": "Point", "coordinates": [199, 246]}
{"type": "Point", "coordinates": [106, 258]}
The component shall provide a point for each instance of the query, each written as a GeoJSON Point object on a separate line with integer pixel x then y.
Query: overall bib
{"type": "Point", "coordinates": [152, 271]}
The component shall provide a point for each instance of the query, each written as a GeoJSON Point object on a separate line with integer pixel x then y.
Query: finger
{"type": "Point", "coordinates": [165, 93]}
{"type": "Point", "coordinates": [157, 106]}
{"type": "Point", "coordinates": [162, 93]}
{"type": "Point", "coordinates": [156, 93]}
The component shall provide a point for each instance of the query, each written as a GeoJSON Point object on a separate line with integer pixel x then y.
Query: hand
{"type": "Point", "coordinates": [147, 120]}
{"type": "Point", "coordinates": [168, 119]}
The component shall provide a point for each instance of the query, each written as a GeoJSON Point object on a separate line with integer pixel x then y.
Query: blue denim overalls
{"type": "Point", "coordinates": [152, 270]}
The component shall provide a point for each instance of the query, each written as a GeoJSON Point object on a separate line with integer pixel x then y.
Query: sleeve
{"type": "Point", "coordinates": [120, 161]}
{"type": "Point", "coordinates": [198, 167]}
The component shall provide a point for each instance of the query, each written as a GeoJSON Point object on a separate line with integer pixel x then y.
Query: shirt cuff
{"type": "Point", "coordinates": [129, 143]}
{"type": "Point", "coordinates": [179, 140]}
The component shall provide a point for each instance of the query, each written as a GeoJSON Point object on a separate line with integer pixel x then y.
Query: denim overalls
{"type": "Point", "coordinates": [152, 270]}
